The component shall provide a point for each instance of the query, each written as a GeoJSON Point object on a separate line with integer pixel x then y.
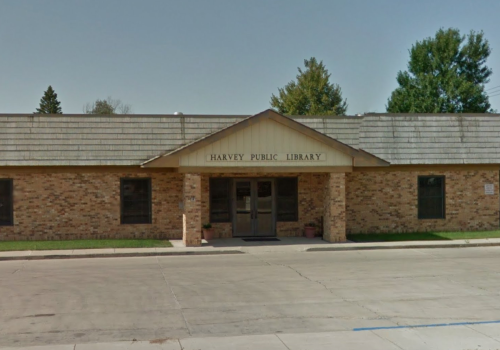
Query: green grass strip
{"type": "Point", "coordinates": [83, 244]}
{"type": "Point", "coordinates": [421, 236]}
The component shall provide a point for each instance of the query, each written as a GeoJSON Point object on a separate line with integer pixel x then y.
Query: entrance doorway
{"type": "Point", "coordinates": [254, 208]}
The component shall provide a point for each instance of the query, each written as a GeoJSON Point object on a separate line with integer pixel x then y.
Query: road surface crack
{"type": "Point", "coordinates": [22, 267]}
{"type": "Point", "coordinates": [390, 341]}
{"type": "Point", "coordinates": [296, 271]}
{"type": "Point", "coordinates": [380, 317]}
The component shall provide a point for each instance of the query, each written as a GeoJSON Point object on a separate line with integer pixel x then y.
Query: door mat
{"type": "Point", "coordinates": [261, 239]}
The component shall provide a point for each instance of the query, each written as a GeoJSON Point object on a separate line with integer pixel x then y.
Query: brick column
{"type": "Point", "coordinates": [334, 213]}
{"type": "Point", "coordinates": [191, 218]}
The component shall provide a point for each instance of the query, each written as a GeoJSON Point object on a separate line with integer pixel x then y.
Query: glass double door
{"type": "Point", "coordinates": [254, 214]}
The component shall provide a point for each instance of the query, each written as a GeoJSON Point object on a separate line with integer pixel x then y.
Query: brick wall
{"type": "Point", "coordinates": [87, 205]}
{"type": "Point", "coordinates": [387, 202]}
{"type": "Point", "coordinates": [191, 217]}
{"type": "Point", "coordinates": [334, 208]}
{"type": "Point", "coordinates": [54, 206]}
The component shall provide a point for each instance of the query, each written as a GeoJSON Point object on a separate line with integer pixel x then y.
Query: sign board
{"type": "Point", "coordinates": [266, 157]}
{"type": "Point", "coordinates": [489, 189]}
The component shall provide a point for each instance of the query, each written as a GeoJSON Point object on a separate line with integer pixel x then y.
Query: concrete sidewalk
{"type": "Point", "coordinates": [239, 246]}
{"type": "Point", "coordinates": [468, 337]}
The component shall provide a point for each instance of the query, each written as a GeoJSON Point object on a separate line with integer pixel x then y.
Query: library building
{"type": "Point", "coordinates": [266, 175]}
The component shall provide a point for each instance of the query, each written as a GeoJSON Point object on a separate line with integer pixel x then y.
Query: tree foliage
{"type": "Point", "coordinates": [311, 94]}
{"type": "Point", "coordinates": [49, 104]}
{"type": "Point", "coordinates": [446, 74]}
{"type": "Point", "coordinates": [107, 107]}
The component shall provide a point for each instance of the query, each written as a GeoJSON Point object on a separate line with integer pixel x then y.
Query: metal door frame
{"type": "Point", "coordinates": [253, 204]}
{"type": "Point", "coordinates": [234, 209]}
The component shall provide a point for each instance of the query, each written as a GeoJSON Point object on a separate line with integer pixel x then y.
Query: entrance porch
{"type": "Point", "coordinates": [267, 175]}
{"type": "Point", "coordinates": [264, 205]}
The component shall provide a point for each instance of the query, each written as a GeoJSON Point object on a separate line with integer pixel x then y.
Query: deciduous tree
{"type": "Point", "coordinates": [107, 106]}
{"type": "Point", "coordinates": [446, 74]}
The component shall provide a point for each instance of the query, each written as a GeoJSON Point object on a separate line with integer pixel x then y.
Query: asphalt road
{"type": "Point", "coordinates": [288, 294]}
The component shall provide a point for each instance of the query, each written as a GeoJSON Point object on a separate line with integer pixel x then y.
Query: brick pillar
{"type": "Point", "coordinates": [334, 214]}
{"type": "Point", "coordinates": [191, 218]}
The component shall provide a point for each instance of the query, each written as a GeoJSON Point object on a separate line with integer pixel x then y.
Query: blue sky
{"type": "Point", "coordinates": [217, 56]}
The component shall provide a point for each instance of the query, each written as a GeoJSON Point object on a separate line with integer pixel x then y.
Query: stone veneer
{"type": "Point", "coordinates": [386, 201]}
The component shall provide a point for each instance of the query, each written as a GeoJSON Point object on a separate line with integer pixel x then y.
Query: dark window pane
{"type": "Point", "coordinates": [220, 200]}
{"type": "Point", "coordinates": [6, 205]}
{"type": "Point", "coordinates": [431, 186]}
{"type": "Point", "coordinates": [136, 201]}
{"type": "Point", "coordinates": [431, 197]}
{"type": "Point", "coordinates": [287, 199]}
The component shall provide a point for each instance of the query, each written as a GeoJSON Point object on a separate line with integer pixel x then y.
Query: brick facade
{"type": "Point", "coordinates": [382, 201]}
{"type": "Point", "coordinates": [56, 206]}
{"type": "Point", "coordinates": [334, 208]}
{"type": "Point", "coordinates": [191, 217]}
{"type": "Point", "coordinates": [79, 205]}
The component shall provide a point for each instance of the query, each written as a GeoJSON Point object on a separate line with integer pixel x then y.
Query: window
{"type": "Point", "coordinates": [6, 203]}
{"type": "Point", "coordinates": [220, 200]}
{"type": "Point", "coordinates": [135, 201]}
{"type": "Point", "coordinates": [287, 203]}
{"type": "Point", "coordinates": [431, 197]}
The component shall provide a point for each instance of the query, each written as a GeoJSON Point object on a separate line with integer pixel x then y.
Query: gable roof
{"type": "Point", "coordinates": [246, 122]}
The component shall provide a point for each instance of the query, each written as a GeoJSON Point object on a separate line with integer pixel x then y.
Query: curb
{"type": "Point", "coordinates": [118, 255]}
{"type": "Point", "coordinates": [411, 246]}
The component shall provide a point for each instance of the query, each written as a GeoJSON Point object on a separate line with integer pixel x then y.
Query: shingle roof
{"type": "Point", "coordinates": [31, 140]}
{"type": "Point", "coordinates": [343, 129]}
{"type": "Point", "coordinates": [27, 140]}
{"type": "Point", "coordinates": [432, 139]}
{"type": "Point", "coordinates": [98, 140]}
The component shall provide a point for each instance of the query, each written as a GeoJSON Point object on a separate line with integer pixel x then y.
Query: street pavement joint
{"type": "Point", "coordinates": [175, 296]}
{"type": "Point", "coordinates": [482, 333]}
{"type": "Point", "coordinates": [281, 340]}
{"type": "Point", "coordinates": [388, 340]}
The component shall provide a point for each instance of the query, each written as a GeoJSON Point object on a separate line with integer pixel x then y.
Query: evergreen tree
{"type": "Point", "coordinates": [446, 74]}
{"type": "Point", "coordinates": [311, 94]}
{"type": "Point", "coordinates": [49, 103]}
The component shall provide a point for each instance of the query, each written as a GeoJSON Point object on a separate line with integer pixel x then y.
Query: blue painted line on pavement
{"type": "Point", "coordinates": [425, 325]}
